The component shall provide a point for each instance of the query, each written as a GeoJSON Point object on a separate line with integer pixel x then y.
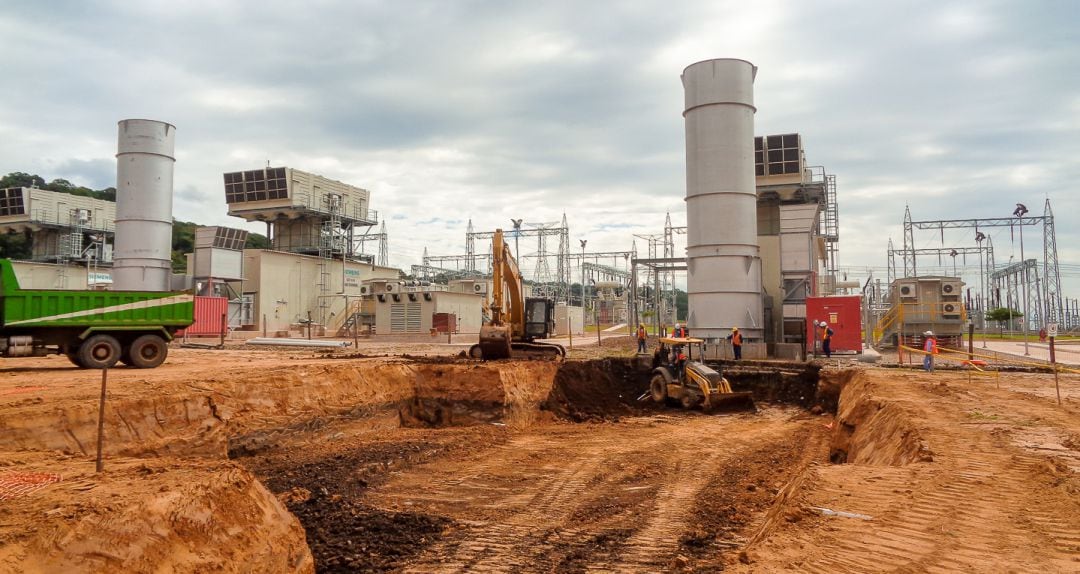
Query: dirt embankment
{"type": "Point", "coordinates": [872, 430]}
{"type": "Point", "coordinates": [242, 414]}
{"type": "Point", "coordinates": [793, 383]}
{"type": "Point", "coordinates": [605, 389]}
{"type": "Point", "coordinates": [147, 516]}
{"type": "Point", "coordinates": [941, 473]}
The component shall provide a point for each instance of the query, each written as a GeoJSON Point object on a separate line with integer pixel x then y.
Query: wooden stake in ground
{"type": "Point", "coordinates": [101, 419]}
{"type": "Point", "coordinates": [224, 329]}
{"type": "Point", "coordinates": [570, 327]}
{"type": "Point", "coordinates": [596, 318]}
{"type": "Point", "coordinates": [1053, 365]}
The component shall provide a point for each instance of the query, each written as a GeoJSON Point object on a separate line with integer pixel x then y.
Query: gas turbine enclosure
{"type": "Point", "coordinates": [142, 256]}
{"type": "Point", "coordinates": [723, 264]}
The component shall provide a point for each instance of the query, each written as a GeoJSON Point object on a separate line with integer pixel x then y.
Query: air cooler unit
{"type": "Point", "coordinates": [950, 288]}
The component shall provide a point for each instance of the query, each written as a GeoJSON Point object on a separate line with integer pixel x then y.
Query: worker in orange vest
{"type": "Point", "coordinates": [930, 346]}
{"type": "Point", "coordinates": [641, 338]}
{"type": "Point", "coordinates": [736, 342]}
{"type": "Point", "coordinates": [826, 339]}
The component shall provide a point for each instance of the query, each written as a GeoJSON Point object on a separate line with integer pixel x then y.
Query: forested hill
{"type": "Point", "coordinates": [17, 245]}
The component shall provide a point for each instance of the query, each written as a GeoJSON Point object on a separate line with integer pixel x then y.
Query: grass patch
{"type": "Point", "coordinates": [981, 416]}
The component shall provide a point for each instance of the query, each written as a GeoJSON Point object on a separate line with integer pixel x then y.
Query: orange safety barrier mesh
{"type": "Point", "coordinates": [14, 484]}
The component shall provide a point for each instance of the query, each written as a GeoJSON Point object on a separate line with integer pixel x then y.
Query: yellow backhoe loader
{"type": "Point", "coordinates": [516, 322]}
{"type": "Point", "coordinates": [679, 378]}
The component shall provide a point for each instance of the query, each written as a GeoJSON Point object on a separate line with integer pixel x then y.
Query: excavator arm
{"type": "Point", "coordinates": [507, 298]}
{"type": "Point", "coordinates": [510, 328]}
{"type": "Point", "coordinates": [507, 307]}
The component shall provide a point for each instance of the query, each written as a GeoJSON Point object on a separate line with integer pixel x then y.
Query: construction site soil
{"type": "Point", "coordinates": [411, 458]}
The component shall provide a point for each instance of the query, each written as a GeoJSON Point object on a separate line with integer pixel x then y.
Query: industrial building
{"type": "Point", "coordinates": [316, 272]}
{"type": "Point", "coordinates": [61, 227]}
{"type": "Point", "coordinates": [762, 225]}
{"type": "Point", "coordinates": [287, 290]}
{"type": "Point", "coordinates": [797, 233]}
{"type": "Point", "coordinates": [38, 275]}
{"type": "Point", "coordinates": [761, 238]}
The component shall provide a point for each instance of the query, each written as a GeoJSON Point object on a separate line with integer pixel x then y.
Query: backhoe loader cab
{"type": "Point", "coordinates": [680, 376]}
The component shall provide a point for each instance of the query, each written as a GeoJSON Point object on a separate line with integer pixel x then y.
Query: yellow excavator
{"type": "Point", "coordinates": [680, 377]}
{"type": "Point", "coordinates": [516, 322]}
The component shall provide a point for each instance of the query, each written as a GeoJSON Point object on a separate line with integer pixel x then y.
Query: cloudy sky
{"type": "Point", "coordinates": [490, 110]}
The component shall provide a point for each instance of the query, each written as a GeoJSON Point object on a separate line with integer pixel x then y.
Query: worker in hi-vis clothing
{"type": "Point", "coordinates": [736, 342]}
{"type": "Point", "coordinates": [826, 339]}
{"type": "Point", "coordinates": [641, 338]}
{"type": "Point", "coordinates": [930, 346]}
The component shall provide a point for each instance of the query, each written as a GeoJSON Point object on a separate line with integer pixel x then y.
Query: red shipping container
{"type": "Point", "coordinates": [444, 322]}
{"type": "Point", "coordinates": [208, 312]}
{"type": "Point", "coordinates": [843, 314]}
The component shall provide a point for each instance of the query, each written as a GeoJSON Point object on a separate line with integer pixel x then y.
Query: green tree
{"type": "Point", "coordinates": [15, 245]}
{"type": "Point", "coordinates": [257, 241]}
{"type": "Point", "coordinates": [183, 242]}
{"type": "Point", "coordinates": [1001, 315]}
{"type": "Point", "coordinates": [20, 179]}
{"type": "Point", "coordinates": [682, 305]}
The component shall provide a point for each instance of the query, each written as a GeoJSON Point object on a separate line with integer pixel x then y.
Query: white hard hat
{"type": "Point", "coordinates": [929, 333]}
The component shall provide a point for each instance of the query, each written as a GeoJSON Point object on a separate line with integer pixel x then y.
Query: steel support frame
{"type": "Point", "coordinates": [1047, 291]}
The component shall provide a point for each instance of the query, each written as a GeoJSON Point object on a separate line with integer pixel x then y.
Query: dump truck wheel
{"type": "Point", "coordinates": [72, 353]}
{"type": "Point", "coordinates": [147, 352]}
{"type": "Point", "coordinates": [658, 388]}
{"type": "Point", "coordinates": [99, 352]}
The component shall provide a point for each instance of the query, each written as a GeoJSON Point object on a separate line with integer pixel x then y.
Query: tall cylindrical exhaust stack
{"type": "Point", "coordinates": [142, 254]}
{"type": "Point", "coordinates": [723, 264]}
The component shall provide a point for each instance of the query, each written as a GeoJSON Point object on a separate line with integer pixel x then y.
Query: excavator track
{"type": "Point", "coordinates": [524, 351]}
{"type": "Point", "coordinates": [538, 351]}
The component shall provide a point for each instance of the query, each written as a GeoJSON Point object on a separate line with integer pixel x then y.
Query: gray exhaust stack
{"type": "Point", "coordinates": [142, 259]}
{"type": "Point", "coordinates": [723, 265]}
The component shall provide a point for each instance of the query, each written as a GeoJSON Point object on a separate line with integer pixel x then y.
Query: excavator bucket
{"type": "Point", "coordinates": [494, 342]}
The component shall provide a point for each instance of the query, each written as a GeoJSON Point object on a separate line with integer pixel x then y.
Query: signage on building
{"type": "Point", "coordinates": [352, 277]}
{"type": "Point", "coordinates": [97, 278]}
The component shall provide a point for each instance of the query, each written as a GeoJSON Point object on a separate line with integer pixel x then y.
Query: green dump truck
{"type": "Point", "coordinates": [94, 329]}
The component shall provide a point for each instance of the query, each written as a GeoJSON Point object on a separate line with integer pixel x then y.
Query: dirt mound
{"type": "Point", "coordinates": [154, 515]}
{"type": "Point", "coordinates": [603, 389]}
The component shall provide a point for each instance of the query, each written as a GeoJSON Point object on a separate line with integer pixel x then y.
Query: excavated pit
{"type": "Point", "coordinates": [478, 407]}
{"type": "Point", "coordinates": [321, 435]}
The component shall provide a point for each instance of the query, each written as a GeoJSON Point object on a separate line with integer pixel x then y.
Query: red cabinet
{"type": "Point", "coordinates": [208, 312]}
{"type": "Point", "coordinates": [842, 313]}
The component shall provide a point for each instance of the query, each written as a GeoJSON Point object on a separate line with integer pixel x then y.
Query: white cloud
{"type": "Point", "coordinates": [492, 110]}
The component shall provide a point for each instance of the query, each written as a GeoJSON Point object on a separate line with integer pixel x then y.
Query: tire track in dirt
{"type": "Point", "coordinates": [982, 504]}
{"type": "Point", "coordinates": [605, 497]}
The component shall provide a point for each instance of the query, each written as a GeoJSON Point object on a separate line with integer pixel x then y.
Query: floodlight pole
{"type": "Point", "coordinates": [985, 306]}
{"type": "Point", "coordinates": [583, 242]}
{"type": "Point", "coordinates": [1023, 268]}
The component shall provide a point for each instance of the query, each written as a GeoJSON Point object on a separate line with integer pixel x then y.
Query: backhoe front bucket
{"type": "Point", "coordinates": [729, 402]}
